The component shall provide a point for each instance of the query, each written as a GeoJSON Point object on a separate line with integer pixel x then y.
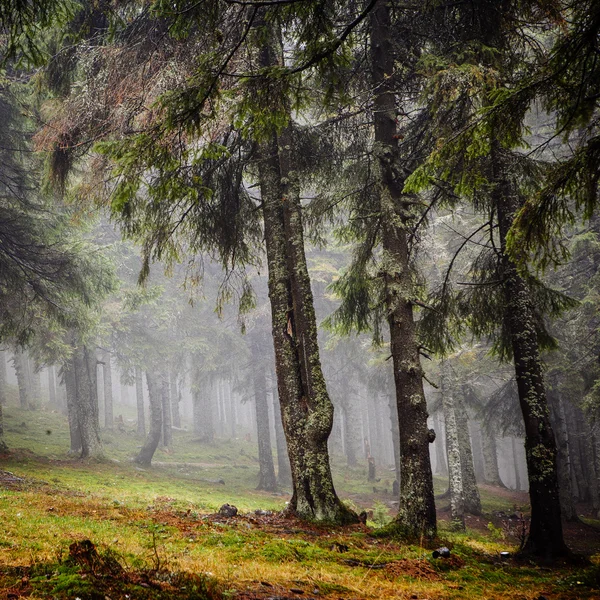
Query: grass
{"type": "Point", "coordinates": [159, 526]}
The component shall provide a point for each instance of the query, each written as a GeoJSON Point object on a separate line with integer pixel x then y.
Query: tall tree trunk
{"type": "Point", "coordinates": [139, 397]}
{"type": "Point", "coordinates": [3, 380]}
{"type": "Point", "coordinates": [52, 387]}
{"type": "Point", "coordinates": [457, 506]}
{"type": "Point", "coordinates": [84, 366]}
{"type": "Point", "coordinates": [284, 473]}
{"type": "Point", "coordinates": [3, 377]}
{"type": "Point", "coordinates": [515, 458]}
{"type": "Point", "coordinates": [472, 499]}
{"type": "Point", "coordinates": [490, 457]}
{"type": "Point", "coordinates": [175, 399]}
{"type": "Point", "coordinates": [203, 410]}
{"type": "Point", "coordinates": [395, 430]}
{"type": "Point", "coordinates": [108, 391]}
{"type": "Point", "coordinates": [167, 437]}
{"type": "Point", "coordinates": [71, 396]}
{"type": "Point", "coordinates": [20, 364]}
{"type": "Point", "coordinates": [563, 459]}
{"type": "Point", "coordinates": [546, 533]}
{"type": "Point", "coordinates": [440, 452]}
{"type": "Point", "coordinates": [82, 399]}
{"type": "Point", "coordinates": [306, 409]}
{"type": "Point", "coordinates": [266, 476]}
{"type": "Point", "coordinates": [145, 455]}
{"type": "Point", "coordinates": [416, 512]}
{"type": "Point", "coordinates": [35, 384]}
{"type": "Point", "coordinates": [3, 446]}
{"type": "Point", "coordinates": [475, 432]}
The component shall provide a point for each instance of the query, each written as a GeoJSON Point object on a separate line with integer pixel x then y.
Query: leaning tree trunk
{"type": "Point", "coordinates": [306, 409]}
{"type": "Point", "coordinates": [108, 391]}
{"type": "Point", "coordinates": [416, 512]}
{"type": "Point", "coordinates": [139, 397]}
{"type": "Point", "coordinates": [156, 414]}
{"type": "Point", "coordinates": [20, 364]}
{"type": "Point", "coordinates": [455, 471]}
{"type": "Point", "coordinates": [266, 476]}
{"type": "Point", "coordinates": [546, 533]}
{"type": "Point", "coordinates": [472, 499]}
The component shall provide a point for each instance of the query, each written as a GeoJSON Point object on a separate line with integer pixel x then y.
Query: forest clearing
{"type": "Point", "coordinates": [299, 299]}
{"type": "Point", "coordinates": [163, 527]}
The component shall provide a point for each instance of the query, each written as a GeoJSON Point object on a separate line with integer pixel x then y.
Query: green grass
{"type": "Point", "coordinates": [154, 523]}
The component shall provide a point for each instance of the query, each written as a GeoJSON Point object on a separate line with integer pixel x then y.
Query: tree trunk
{"type": "Point", "coordinates": [266, 476]}
{"type": "Point", "coordinates": [82, 400]}
{"type": "Point", "coordinates": [284, 473]}
{"type": "Point", "coordinates": [490, 457]}
{"type": "Point", "coordinates": [3, 446]}
{"type": "Point", "coordinates": [475, 432]}
{"type": "Point", "coordinates": [167, 437]}
{"type": "Point", "coordinates": [139, 397]}
{"type": "Point", "coordinates": [563, 459]}
{"type": "Point", "coordinates": [472, 499]}
{"type": "Point", "coordinates": [20, 364]}
{"type": "Point", "coordinates": [203, 411]}
{"type": "Point", "coordinates": [306, 409]}
{"type": "Point", "coordinates": [546, 534]}
{"type": "Point", "coordinates": [108, 391]}
{"type": "Point", "coordinates": [52, 399]}
{"type": "Point", "coordinates": [35, 384]}
{"type": "Point", "coordinates": [395, 429]}
{"type": "Point", "coordinates": [440, 452]}
{"type": "Point", "coordinates": [3, 380]}
{"type": "Point", "coordinates": [175, 399]}
{"type": "Point", "coordinates": [156, 413]}
{"type": "Point", "coordinates": [416, 512]}
{"type": "Point", "coordinates": [513, 446]}
{"type": "Point", "coordinates": [457, 506]}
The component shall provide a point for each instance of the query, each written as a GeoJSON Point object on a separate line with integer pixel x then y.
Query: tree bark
{"type": "Point", "coordinates": [457, 506]}
{"type": "Point", "coordinates": [306, 409]}
{"type": "Point", "coordinates": [266, 476]}
{"type": "Point", "coordinates": [546, 533]}
{"type": "Point", "coordinates": [472, 499]}
{"type": "Point", "coordinates": [3, 380]}
{"type": "Point", "coordinates": [3, 446]}
{"type": "Point", "coordinates": [156, 414]}
{"type": "Point", "coordinates": [284, 473]}
{"type": "Point", "coordinates": [35, 384]}
{"type": "Point", "coordinates": [139, 397]}
{"type": "Point", "coordinates": [203, 411]}
{"type": "Point", "coordinates": [108, 391]}
{"type": "Point", "coordinates": [175, 399]}
{"type": "Point", "coordinates": [82, 398]}
{"type": "Point", "coordinates": [490, 458]}
{"type": "Point", "coordinates": [416, 513]}
{"type": "Point", "coordinates": [167, 437]}
{"type": "Point", "coordinates": [20, 364]}
{"type": "Point", "coordinates": [71, 397]}
{"type": "Point", "coordinates": [563, 459]}
{"type": "Point", "coordinates": [440, 453]}
{"type": "Point", "coordinates": [52, 399]}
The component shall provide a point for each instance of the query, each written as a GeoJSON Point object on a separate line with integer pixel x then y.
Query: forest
{"type": "Point", "coordinates": [299, 299]}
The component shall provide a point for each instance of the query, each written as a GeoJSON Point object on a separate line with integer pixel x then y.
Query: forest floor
{"type": "Point", "coordinates": [157, 533]}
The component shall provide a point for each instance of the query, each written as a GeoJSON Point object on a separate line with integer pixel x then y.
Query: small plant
{"type": "Point", "coordinates": [496, 533]}
{"type": "Point", "coordinates": [381, 515]}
